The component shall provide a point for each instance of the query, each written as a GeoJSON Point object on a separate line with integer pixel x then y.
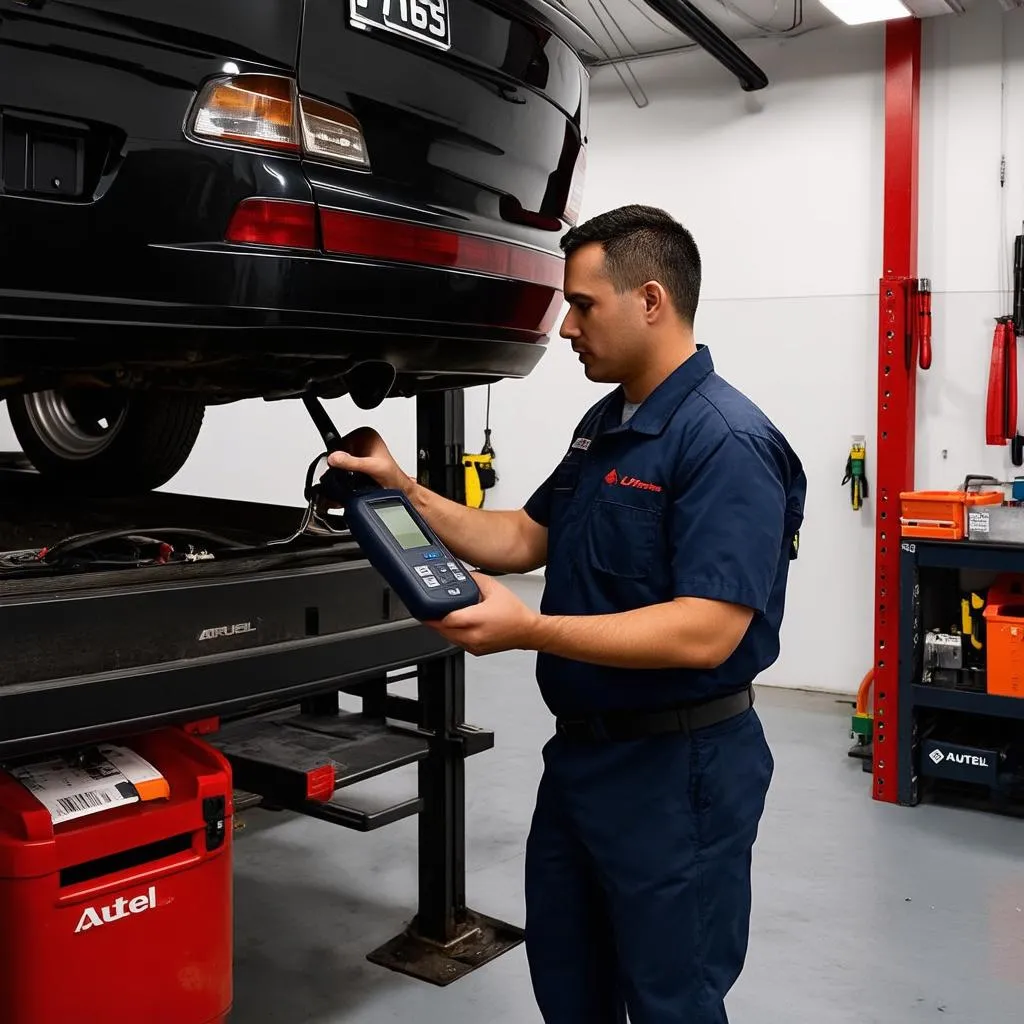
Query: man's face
{"type": "Point", "coordinates": [605, 328]}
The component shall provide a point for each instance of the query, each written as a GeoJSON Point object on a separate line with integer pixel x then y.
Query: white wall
{"type": "Point", "coordinates": [782, 190]}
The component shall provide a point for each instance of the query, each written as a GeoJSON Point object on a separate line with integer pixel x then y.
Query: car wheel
{"type": "Point", "coordinates": [104, 442]}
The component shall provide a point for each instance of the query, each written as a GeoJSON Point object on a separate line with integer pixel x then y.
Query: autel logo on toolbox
{"type": "Point", "coordinates": [613, 478]}
{"type": "Point", "coordinates": [215, 631]}
{"type": "Point", "coordinates": [973, 759]}
{"type": "Point", "coordinates": [116, 911]}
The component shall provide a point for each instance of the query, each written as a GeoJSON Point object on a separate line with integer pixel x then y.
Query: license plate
{"type": "Point", "coordinates": [425, 21]}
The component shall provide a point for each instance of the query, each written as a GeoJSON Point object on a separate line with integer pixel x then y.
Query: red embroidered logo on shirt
{"type": "Point", "coordinates": [631, 481]}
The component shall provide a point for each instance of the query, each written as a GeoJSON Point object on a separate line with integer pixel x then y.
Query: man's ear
{"type": "Point", "coordinates": [655, 300]}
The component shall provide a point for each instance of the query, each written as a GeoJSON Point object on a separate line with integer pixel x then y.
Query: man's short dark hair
{"type": "Point", "coordinates": [643, 243]}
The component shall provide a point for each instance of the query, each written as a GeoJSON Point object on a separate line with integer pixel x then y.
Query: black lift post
{"type": "Point", "coordinates": [299, 758]}
{"type": "Point", "coordinates": [446, 939]}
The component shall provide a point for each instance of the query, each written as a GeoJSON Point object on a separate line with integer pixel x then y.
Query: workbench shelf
{"type": "Point", "coordinates": [933, 719]}
{"type": "Point", "coordinates": [966, 702]}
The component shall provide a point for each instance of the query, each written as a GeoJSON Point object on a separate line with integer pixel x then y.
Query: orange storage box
{"type": "Point", "coordinates": [939, 515]}
{"type": "Point", "coordinates": [1004, 634]}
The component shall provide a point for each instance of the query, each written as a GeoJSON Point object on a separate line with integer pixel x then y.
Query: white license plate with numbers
{"type": "Point", "coordinates": [425, 21]}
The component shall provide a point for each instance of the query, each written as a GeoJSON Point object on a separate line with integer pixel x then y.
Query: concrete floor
{"type": "Point", "coordinates": [863, 913]}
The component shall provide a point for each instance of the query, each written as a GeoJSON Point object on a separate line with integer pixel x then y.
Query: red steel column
{"type": "Point", "coordinates": [897, 379]}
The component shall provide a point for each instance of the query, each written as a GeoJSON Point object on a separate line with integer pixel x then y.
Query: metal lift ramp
{"type": "Point", "coordinates": [252, 653]}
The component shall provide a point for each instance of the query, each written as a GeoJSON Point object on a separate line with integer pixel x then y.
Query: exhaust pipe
{"type": "Point", "coordinates": [706, 34]}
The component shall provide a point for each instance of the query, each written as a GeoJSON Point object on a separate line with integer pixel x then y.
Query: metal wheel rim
{"type": "Point", "coordinates": [69, 432]}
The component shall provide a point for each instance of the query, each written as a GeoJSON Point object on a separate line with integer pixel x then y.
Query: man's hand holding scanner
{"type": "Point", "coordinates": [365, 452]}
{"type": "Point", "coordinates": [500, 621]}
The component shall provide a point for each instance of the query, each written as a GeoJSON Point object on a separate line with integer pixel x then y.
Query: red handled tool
{"type": "Point", "coordinates": [923, 297]}
{"type": "Point", "coordinates": [918, 332]}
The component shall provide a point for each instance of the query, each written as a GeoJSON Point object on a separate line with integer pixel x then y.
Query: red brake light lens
{"type": "Point", "coordinates": [274, 222]}
{"type": "Point", "coordinates": [357, 234]}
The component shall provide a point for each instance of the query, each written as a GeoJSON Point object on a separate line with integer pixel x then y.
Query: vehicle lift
{"type": "Point", "coordinates": [446, 939]}
{"type": "Point", "coordinates": [296, 757]}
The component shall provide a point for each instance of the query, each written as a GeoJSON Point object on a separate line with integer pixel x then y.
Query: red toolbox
{"type": "Point", "coordinates": [123, 916]}
{"type": "Point", "coordinates": [1004, 636]}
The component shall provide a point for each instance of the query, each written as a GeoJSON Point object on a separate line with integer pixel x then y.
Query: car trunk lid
{"type": "Point", "coordinates": [473, 114]}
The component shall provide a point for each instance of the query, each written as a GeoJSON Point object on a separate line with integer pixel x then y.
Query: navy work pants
{"type": "Point", "coordinates": [638, 874]}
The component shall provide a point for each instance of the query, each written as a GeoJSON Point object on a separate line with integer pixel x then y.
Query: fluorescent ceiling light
{"type": "Point", "coordinates": [858, 12]}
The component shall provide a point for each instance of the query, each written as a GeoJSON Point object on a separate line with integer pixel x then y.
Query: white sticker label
{"type": "Point", "coordinates": [977, 521]}
{"type": "Point", "coordinates": [105, 779]}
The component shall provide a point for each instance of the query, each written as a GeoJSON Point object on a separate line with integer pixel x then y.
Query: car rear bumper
{"type": "Point", "coordinates": [208, 315]}
{"type": "Point", "coordinates": [222, 295]}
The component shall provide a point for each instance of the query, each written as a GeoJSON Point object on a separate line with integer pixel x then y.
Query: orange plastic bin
{"type": "Point", "coordinates": [939, 515]}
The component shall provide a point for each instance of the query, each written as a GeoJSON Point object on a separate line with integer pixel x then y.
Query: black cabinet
{"type": "Point", "coordinates": [949, 727]}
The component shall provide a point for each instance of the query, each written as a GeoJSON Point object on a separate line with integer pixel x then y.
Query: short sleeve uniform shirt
{"type": "Point", "coordinates": [695, 494]}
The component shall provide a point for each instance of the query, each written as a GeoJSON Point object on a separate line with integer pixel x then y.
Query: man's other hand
{"type": "Point", "coordinates": [498, 622]}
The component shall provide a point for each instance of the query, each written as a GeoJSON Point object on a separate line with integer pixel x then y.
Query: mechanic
{"type": "Point", "coordinates": [667, 531]}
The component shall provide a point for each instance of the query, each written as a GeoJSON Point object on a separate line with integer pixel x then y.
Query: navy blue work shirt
{"type": "Point", "coordinates": [697, 494]}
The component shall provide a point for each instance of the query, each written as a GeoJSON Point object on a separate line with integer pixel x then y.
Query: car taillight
{"type": "Point", "coordinates": [332, 133]}
{"type": "Point", "coordinates": [253, 109]}
{"type": "Point", "coordinates": [274, 222]}
{"type": "Point", "coordinates": [575, 201]}
{"type": "Point", "coordinates": [266, 111]}
{"type": "Point", "coordinates": [357, 234]}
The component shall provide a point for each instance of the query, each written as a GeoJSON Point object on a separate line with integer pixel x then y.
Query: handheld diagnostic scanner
{"type": "Point", "coordinates": [428, 579]}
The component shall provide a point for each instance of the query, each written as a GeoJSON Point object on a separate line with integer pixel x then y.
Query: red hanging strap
{"type": "Point", "coordinates": [1001, 405]}
{"type": "Point", "coordinates": [1010, 341]}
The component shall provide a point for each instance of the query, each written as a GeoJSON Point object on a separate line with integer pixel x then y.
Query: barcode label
{"type": "Point", "coordinates": [87, 801]}
{"type": "Point", "coordinates": [92, 782]}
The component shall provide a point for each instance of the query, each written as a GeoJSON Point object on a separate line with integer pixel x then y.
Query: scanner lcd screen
{"type": "Point", "coordinates": [401, 525]}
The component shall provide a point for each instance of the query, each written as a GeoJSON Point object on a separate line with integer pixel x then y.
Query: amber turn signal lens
{"type": "Point", "coordinates": [250, 109]}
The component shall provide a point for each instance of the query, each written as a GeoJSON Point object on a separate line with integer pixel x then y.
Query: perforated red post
{"type": "Point", "coordinates": [897, 379]}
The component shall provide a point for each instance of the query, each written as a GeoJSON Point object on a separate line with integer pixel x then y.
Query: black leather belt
{"type": "Point", "coordinates": [634, 725]}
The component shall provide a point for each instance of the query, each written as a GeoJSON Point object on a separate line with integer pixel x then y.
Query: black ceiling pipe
{"type": "Point", "coordinates": [706, 34]}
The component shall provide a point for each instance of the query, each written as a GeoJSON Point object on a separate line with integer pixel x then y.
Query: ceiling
{"type": "Point", "coordinates": [626, 29]}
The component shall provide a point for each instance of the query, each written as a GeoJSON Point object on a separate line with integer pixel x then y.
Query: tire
{"type": "Point", "coordinates": [105, 443]}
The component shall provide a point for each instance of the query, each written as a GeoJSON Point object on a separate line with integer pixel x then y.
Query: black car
{"type": "Point", "coordinates": [203, 201]}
